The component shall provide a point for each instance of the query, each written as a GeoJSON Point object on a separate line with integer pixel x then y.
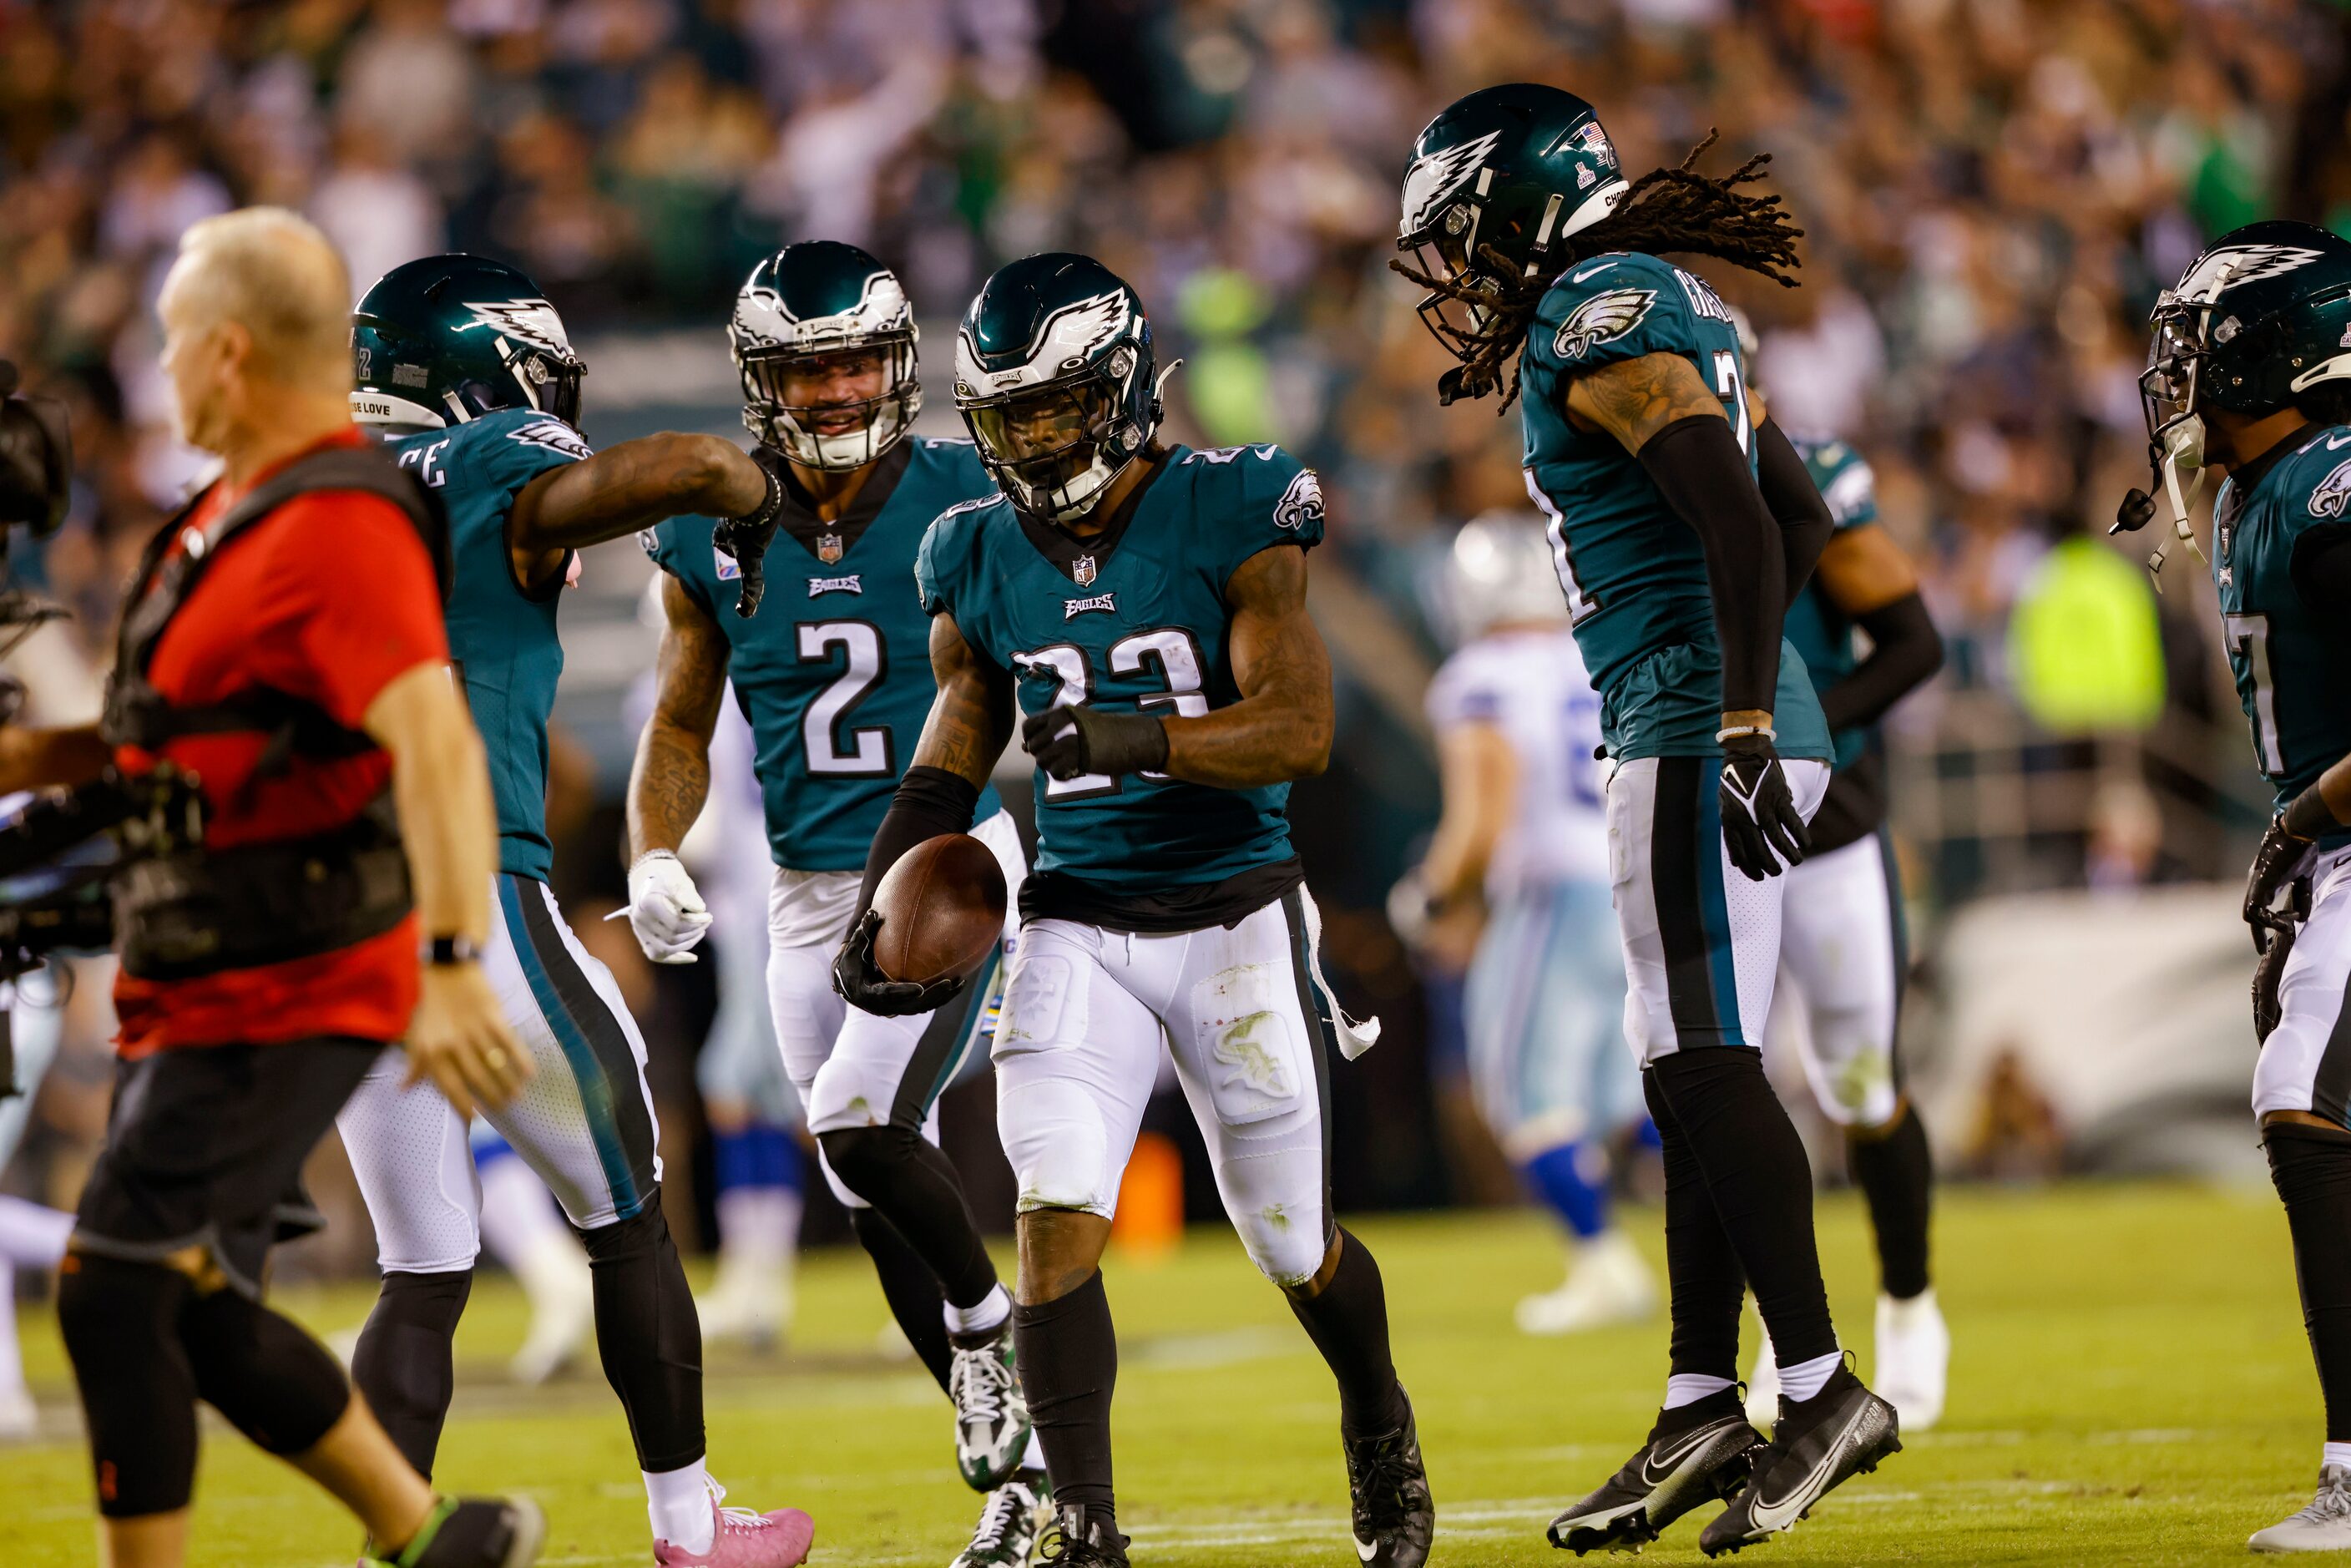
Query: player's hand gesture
{"type": "Point", "coordinates": [1760, 825]}
{"type": "Point", "coordinates": [460, 1040]}
{"type": "Point", "coordinates": [2283, 856]}
{"type": "Point", "coordinates": [745, 539]}
{"type": "Point", "coordinates": [860, 982]}
{"type": "Point", "coordinates": [1071, 742]}
{"type": "Point", "coordinates": [665, 909]}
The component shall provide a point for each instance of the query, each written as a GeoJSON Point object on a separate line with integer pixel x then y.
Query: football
{"type": "Point", "coordinates": [942, 908]}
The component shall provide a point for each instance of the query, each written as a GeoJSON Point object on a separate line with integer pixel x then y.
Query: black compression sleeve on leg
{"type": "Point", "coordinates": [1068, 1354]}
{"type": "Point", "coordinates": [1348, 1321]}
{"type": "Point", "coordinates": [405, 1362]}
{"type": "Point", "coordinates": [1896, 1172]}
{"type": "Point", "coordinates": [648, 1336]}
{"type": "Point", "coordinates": [2312, 1169]}
{"type": "Point", "coordinates": [1761, 1184]}
{"type": "Point", "coordinates": [121, 1323]}
{"type": "Point", "coordinates": [910, 1288]}
{"type": "Point", "coordinates": [914, 1184]}
{"type": "Point", "coordinates": [1707, 1286]}
{"type": "Point", "coordinates": [273, 1382]}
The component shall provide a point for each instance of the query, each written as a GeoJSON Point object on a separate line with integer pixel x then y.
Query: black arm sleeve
{"type": "Point", "coordinates": [929, 801]}
{"type": "Point", "coordinates": [1697, 463]}
{"type": "Point", "coordinates": [1804, 519]}
{"type": "Point", "coordinates": [1905, 651]}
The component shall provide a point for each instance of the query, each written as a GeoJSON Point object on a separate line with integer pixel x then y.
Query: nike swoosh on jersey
{"type": "Point", "coordinates": [1653, 1478]}
{"type": "Point", "coordinates": [2334, 441]}
{"type": "Point", "coordinates": [1775, 1516]}
{"type": "Point", "coordinates": [1594, 273]}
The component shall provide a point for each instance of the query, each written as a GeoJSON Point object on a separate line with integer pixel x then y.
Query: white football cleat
{"type": "Point", "coordinates": [1608, 1283]}
{"type": "Point", "coordinates": [1763, 1385]}
{"type": "Point", "coordinates": [2324, 1526]}
{"type": "Point", "coordinates": [1913, 1364]}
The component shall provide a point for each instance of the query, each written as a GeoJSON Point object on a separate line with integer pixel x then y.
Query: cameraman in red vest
{"type": "Point", "coordinates": [284, 645]}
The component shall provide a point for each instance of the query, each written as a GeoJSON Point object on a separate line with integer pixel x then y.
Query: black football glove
{"type": "Point", "coordinates": [2282, 857]}
{"type": "Point", "coordinates": [2273, 936]}
{"type": "Point", "coordinates": [1071, 742]}
{"type": "Point", "coordinates": [858, 981]}
{"type": "Point", "coordinates": [745, 539]}
{"type": "Point", "coordinates": [1760, 825]}
{"type": "Point", "coordinates": [36, 457]}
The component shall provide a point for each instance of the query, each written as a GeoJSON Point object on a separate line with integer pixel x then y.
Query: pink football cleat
{"type": "Point", "coordinates": [744, 1539]}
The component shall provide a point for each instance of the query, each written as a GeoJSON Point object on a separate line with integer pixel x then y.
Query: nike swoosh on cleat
{"type": "Point", "coordinates": [1768, 1517]}
{"type": "Point", "coordinates": [1652, 1478]}
{"type": "Point", "coordinates": [1367, 1553]}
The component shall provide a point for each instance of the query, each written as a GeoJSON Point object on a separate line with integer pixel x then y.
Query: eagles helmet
{"type": "Point", "coordinates": [1502, 570]}
{"type": "Point", "coordinates": [815, 300]}
{"type": "Point", "coordinates": [1518, 168]}
{"type": "Point", "coordinates": [2258, 319]}
{"type": "Point", "coordinates": [1054, 376]}
{"type": "Point", "coordinates": [440, 340]}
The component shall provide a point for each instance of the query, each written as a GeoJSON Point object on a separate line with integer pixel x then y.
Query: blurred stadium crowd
{"type": "Point", "coordinates": [1994, 191]}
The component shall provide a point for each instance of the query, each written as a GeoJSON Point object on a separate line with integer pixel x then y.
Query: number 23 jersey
{"type": "Point", "coordinates": [1131, 620]}
{"type": "Point", "coordinates": [2291, 658]}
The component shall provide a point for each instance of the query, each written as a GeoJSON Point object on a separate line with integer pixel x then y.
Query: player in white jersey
{"type": "Point", "coordinates": [1525, 825]}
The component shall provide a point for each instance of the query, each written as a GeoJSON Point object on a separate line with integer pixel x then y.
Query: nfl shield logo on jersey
{"type": "Point", "coordinates": [828, 547]}
{"type": "Point", "coordinates": [1082, 571]}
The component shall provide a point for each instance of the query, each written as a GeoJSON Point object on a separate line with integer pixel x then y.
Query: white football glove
{"type": "Point", "coordinates": [665, 909]}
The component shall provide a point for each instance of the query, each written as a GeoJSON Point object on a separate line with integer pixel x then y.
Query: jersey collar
{"type": "Point", "coordinates": [1058, 547]}
{"type": "Point", "coordinates": [800, 521]}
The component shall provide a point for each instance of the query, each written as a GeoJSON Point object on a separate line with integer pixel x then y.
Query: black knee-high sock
{"type": "Point", "coordinates": [1068, 1354]}
{"type": "Point", "coordinates": [1895, 1173]}
{"type": "Point", "coordinates": [405, 1364]}
{"type": "Point", "coordinates": [1762, 1183]}
{"type": "Point", "coordinates": [1348, 1321]}
{"type": "Point", "coordinates": [2312, 1169]}
{"type": "Point", "coordinates": [1708, 1287]}
{"type": "Point", "coordinates": [648, 1336]}
{"type": "Point", "coordinates": [910, 1288]}
{"type": "Point", "coordinates": [914, 1185]}
{"type": "Point", "coordinates": [264, 1371]}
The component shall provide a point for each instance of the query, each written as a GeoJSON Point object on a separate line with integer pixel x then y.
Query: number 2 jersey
{"type": "Point", "coordinates": [1134, 620]}
{"type": "Point", "coordinates": [2291, 657]}
{"type": "Point", "coordinates": [1634, 573]}
{"type": "Point", "coordinates": [834, 671]}
{"type": "Point", "coordinates": [502, 640]}
{"type": "Point", "coordinates": [1529, 683]}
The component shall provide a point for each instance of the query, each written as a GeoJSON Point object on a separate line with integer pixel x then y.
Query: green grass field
{"type": "Point", "coordinates": [2130, 1385]}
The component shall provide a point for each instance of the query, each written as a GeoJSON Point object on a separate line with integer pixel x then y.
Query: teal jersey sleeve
{"type": "Point", "coordinates": [679, 546]}
{"type": "Point", "coordinates": [1845, 481]}
{"type": "Point", "coordinates": [1622, 305]}
{"type": "Point", "coordinates": [1259, 496]}
{"type": "Point", "coordinates": [943, 563]}
{"type": "Point", "coordinates": [1822, 633]}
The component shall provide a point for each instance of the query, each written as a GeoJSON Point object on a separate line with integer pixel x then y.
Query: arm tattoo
{"type": "Point", "coordinates": [671, 779]}
{"type": "Point", "coordinates": [1633, 399]}
{"type": "Point", "coordinates": [971, 721]}
{"type": "Point", "coordinates": [1280, 729]}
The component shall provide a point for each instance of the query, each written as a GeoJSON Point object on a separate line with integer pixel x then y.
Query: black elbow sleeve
{"type": "Point", "coordinates": [1795, 503]}
{"type": "Point", "coordinates": [929, 801]}
{"type": "Point", "coordinates": [1698, 466]}
{"type": "Point", "coordinates": [1905, 652]}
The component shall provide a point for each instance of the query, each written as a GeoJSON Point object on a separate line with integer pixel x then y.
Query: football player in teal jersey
{"type": "Point", "coordinates": [1145, 607]}
{"type": "Point", "coordinates": [2250, 374]}
{"type": "Point", "coordinates": [832, 675]}
{"type": "Point", "coordinates": [1842, 941]}
{"type": "Point", "coordinates": [468, 372]}
{"type": "Point", "coordinates": [1681, 529]}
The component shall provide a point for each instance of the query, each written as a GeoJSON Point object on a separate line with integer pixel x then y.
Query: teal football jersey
{"type": "Point", "coordinates": [1633, 572]}
{"type": "Point", "coordinates": [2292, 659]}
{"type": "Point", "coordinates": [834, 671]}
{"type": "Point", "coordinates": [501, 639]}
{"type": "Point", "coordinates": [1817, 629]}
{"type": "Point", "coordinates": [1133, 622]}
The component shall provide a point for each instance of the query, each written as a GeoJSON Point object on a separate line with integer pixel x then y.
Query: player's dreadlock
{"type": "Point", "coordinates": [1665, 211]}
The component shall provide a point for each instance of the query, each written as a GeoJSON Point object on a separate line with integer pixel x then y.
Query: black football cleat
{"type": "Point", "coordinates": [1081, 1538]}
{"type": "Point", "coordinates": [1387, 1486]}
{"type": "Point", "coordinates": [1816, 1445]}
{"type": "Point", "coordinates": [1695, 1453]}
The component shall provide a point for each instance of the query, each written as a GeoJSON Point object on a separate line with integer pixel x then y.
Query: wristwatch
{"type": "Point", "coordinates": [441, 950]}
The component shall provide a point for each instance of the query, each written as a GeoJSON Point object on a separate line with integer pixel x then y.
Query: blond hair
{"type": "Point", "coordinates": [274, 273]}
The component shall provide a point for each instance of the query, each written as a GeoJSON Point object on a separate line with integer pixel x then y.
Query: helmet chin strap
{"type": "Point", "coordinates": [2183, 447]}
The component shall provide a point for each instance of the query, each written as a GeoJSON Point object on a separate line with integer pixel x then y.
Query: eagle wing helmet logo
{"type": "Point", "coordinates": [531, 321]}
{"type": "Point", "coordinates": [2217, 271]}
{"type": "Point", "coordinates": [1601, 319]}
{"type": "Point", "coordinates": [1432, 179]}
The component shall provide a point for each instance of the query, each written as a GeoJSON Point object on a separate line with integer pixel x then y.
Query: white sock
{"type": "Point", "coordinates": [31, 1235]}
{"type": "Point", "coordinates": [1806, 1378]}
{"type": "Point", "coordinates": [2329, 1454]}
{"type": "Point", "coordinates": [1032, 1458]}
{"type": "Point", "coordinates": [1689, 1387]}
{"type": "Point", "coordinates": [679, 1504]}
{"type": "Point", "coordinates": [983, 1318]}
{"type": "Point", "coordinates": [12, 1361]}
{"type": "Point", "coordinates": [758, 1227]}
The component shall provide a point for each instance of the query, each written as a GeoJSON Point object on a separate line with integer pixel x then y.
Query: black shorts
{"type": "Point", "coordinates": [204, 1148]}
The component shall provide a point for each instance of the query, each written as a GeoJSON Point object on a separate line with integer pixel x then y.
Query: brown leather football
{"type": "Point", "coordinates": [942, 908]}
